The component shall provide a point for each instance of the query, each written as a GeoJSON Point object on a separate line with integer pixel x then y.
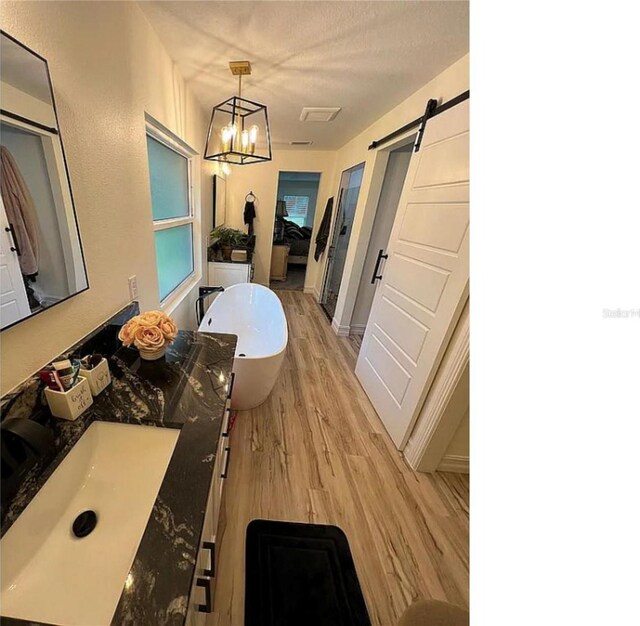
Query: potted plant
{"type": "Point", "coordinates": [227, 239]}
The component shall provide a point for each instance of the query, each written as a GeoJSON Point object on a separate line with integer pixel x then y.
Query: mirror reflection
{"type": "Point", "coordinates": [41, 261]}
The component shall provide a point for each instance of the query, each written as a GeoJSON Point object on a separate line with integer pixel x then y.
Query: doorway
{"type": "Point", "coordinates": [393, 181]}
{"type": "Point", "coordinates": [347, 200]}
{"type": "Point", "coordinates": [295, 210]}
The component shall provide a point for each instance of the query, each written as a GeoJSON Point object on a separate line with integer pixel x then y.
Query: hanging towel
{"type": "Point", "coordinates": [249, 214]}
{"type": "Point", "coordinates": [323, 232]}
{"type": "Point", "coordinates": [20, 213]}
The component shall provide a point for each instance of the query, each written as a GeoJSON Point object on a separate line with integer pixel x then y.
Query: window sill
{"type": "Point", "coordinates": [175, 298]}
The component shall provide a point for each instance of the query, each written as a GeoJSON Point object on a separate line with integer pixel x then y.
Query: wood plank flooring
{"type": "Point", "coordinates": [317, 452]}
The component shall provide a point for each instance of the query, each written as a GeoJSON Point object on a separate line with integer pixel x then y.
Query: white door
{"type": "Point", "coordinates": [14, 305]}
{"type": "Point", "coordinates": [425, 279]}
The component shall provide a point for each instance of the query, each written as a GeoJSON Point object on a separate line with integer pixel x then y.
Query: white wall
{"type": "Point", "coordinates": [108, 67]}
{"type": "Point", "coordinates": [262, 179]}
{"type": "Point", "coordinates": [459, 445]}
{"type": "Point", "coordinates": [453, 81]}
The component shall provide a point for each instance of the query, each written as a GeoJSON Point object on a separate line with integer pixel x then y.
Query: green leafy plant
{"type": "Point", "coordinates": [228, 236]}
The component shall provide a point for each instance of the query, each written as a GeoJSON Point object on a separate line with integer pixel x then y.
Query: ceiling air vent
{"type": "Point", "coordinates": [319, 114]}
{"type": "Point", "coordinates": [300, 143]}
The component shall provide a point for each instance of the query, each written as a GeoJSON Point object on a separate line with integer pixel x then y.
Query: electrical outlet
{"type": "Point", "coordinates": [133, 287]}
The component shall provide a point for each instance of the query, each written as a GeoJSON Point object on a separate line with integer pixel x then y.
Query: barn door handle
{"type": "Point", "coordinates": [15, 247]}
{"type": "Point", "coordinates": [377, 276]}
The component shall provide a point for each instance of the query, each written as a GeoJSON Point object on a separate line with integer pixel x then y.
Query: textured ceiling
{"type": "Point", "coordinates": [365, 57]}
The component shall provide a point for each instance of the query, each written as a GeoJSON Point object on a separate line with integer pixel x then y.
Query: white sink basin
{"type": "Point", "coordinates": [50, 575]}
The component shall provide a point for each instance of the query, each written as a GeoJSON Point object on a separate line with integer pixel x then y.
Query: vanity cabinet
{"type": "Point", "coordinates": [225, 274]}
{"type": "Point", "coordinates": [201, 598]}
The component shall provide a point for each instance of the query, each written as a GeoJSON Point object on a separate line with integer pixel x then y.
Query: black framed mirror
{"type": "Point", "coordinates": [41, 257]}
{"type": "Point", "coordinates": [219, 201]}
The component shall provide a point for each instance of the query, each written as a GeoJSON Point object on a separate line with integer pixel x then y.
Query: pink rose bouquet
{"type": "Point", "coordinates": [149, 332]}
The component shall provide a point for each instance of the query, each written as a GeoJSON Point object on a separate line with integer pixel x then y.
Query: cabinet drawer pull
{"type": "Point", "coordinates": [211, 546]}
{"type": "Point", "coordinates": [225, 471]}
{"type": "Point", "coordinates": [227, 417]}
{"type": "Point", "coordinates": [207, 606]}
{"type": "Point", "coordinates": [233, 378]}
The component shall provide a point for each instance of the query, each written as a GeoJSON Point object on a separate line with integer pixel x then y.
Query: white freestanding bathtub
{"type": "Point", "coordinates": [255, 314]}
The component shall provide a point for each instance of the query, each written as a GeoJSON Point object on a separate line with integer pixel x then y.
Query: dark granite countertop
{"type": "Point", "coordinates": [186, 389]}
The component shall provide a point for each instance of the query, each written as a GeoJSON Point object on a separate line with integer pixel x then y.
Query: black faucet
{"type": "Point", "coordinates": [23, 443]}
{"type": "Point", "coordinates": [204, 292]}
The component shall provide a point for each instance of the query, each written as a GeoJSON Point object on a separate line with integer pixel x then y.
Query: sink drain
{"type": "Point", "coordinates": [84, 524]}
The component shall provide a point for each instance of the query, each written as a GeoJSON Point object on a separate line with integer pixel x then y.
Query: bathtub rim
{"type": "Point", "coordinates": [284, 317]}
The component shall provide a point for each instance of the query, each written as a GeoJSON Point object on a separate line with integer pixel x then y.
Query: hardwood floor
{"type": "Point", "coordinates": [317, 452]}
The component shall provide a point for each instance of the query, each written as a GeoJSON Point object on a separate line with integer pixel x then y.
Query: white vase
{"type": "Point", "coordinates": [152, 355]}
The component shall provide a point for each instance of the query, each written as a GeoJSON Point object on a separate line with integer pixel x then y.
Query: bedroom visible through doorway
{"type": "Point", "coordinates": [295, 210]}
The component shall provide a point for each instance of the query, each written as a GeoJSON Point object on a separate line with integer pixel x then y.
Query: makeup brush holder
{"type": "Point", "coordinates": [99, 377]}
{"type": "Point", "coordinates": [69, 405]}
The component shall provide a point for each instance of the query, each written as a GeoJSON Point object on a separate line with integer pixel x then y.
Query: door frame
{"type": "Point", "coordinates": [334, 221]}
{"type": "Point", "coordinates": [314, 229]}
{"type": "Point", "coordinates": [380, 157]}
{"type": "Point", "coordinates": [433, 430]}
{"type": "Point", "coordinates": [408, 138]}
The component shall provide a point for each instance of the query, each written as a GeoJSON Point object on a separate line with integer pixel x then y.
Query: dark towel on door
{"type": "Point", "coordinates": [249, 215]}
{"type": "Point", "coordinates": [323, 232]}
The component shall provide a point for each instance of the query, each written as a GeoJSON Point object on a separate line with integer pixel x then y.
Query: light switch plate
{"type": "Point", "coordinates": [133, 287]}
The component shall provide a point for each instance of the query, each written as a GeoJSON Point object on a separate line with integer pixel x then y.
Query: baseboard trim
{"type": "Point", "coordinates": [358, 329]}
{"type": "Point", "coordinates": [311, 289]}
{"type": "Point", "coordinates": [341, 331]}
{"type": "Point", "coordinates": [454, 463]}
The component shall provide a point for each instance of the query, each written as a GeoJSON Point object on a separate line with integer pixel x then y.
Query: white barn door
{"type": "Point", "coordinates": [425, 279]}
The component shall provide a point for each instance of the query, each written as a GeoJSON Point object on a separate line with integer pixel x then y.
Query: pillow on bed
{"type": "Point", "coordinates": [292, 230]}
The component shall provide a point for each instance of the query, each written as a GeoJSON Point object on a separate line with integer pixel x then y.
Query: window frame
{"type": "Point", "coordinates": [163, 135]}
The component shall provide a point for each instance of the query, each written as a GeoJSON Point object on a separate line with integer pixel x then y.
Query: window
{"type": "Point", "coordinates": [172, 210]}
{"type": "Point", "coordinates": [297, 207]}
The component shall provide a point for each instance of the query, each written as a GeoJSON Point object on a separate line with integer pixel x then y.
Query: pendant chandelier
{"type": "Point", "coordinates": [239, 128]}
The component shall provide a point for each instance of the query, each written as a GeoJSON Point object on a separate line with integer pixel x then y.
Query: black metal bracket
{"type": "Point", "coordinates": [419, 121]}
{"type": "Point", "coordinates": [428, 113]}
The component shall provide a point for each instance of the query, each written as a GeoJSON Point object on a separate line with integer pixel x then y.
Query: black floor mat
{"type": "Point", "coordinates": [301, 575]}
